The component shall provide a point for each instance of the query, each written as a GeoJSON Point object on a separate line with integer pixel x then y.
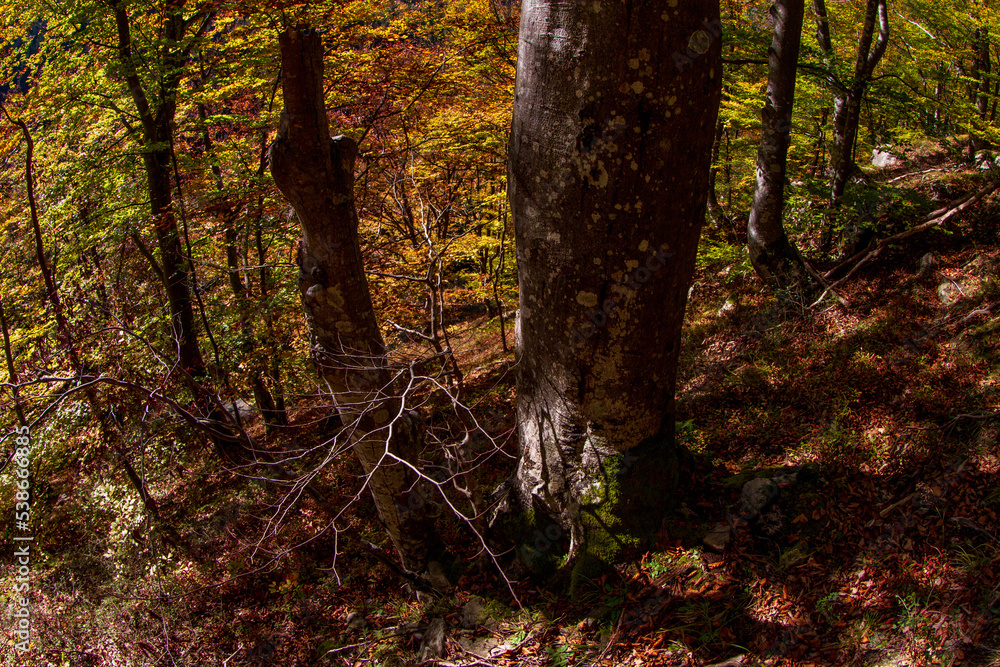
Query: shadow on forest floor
{"type": "Point", "coordinates": [884, 551]}
{"type": "Point", "coordinates": [890, 554]}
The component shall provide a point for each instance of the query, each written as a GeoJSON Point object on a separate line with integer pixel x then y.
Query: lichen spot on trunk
{"type": "Point", "coordinates": [335, 296]}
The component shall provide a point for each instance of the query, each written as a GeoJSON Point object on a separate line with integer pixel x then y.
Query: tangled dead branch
{"type": "Point", "coordinates": [934, 219]}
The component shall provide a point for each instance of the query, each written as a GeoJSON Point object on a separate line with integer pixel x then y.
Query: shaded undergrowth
{"type": "Point", "coordinates": [886, 552]}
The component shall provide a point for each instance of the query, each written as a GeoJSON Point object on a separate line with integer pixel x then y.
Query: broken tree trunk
{"type": "Point", "coordinates": [316, 174]}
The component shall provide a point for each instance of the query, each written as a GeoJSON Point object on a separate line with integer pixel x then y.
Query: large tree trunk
{"type": "Point", "coordinates": [316, 174]}
{"type": "Point", "coordinates": [614, 115]}
{"type": "Point", "coordinates": [772, 254]}
{"type": "Point", "coordinates": [847, 105]}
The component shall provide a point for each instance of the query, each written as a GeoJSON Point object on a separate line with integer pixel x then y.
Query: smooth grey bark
{"type": "Point", "coordinates": [316, 174]}
{"type": "Point", "coordinates": [774, 257]}
{"type": "Point", "coordinates": [613, 123]}
{"type": "Point", "coordinates": [823, 29]}
{"type": "Point", "coordinates": [847, 104]}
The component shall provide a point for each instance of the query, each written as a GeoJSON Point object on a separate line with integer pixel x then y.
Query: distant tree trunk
{"type": "Point", "coordinates": [316, 174]}
{"type": "Point", "coordinates": [156, 115]}
{"type": "Point", "coordinates": [996, 98]}
{"type": "Point", "coordinates": [273, 369]}
{"type": "Point", "coordinates": [720, 218]}
{"type": "Point", "coordinates": [847, 105]}
{"type": "Point", "coordinates": [981, 70]}
{"type": "Point", "coordinates": [819, 147]}
{"type": "Point", "coordinates": [11, 369]}
{"type": "Point", "coordinates": [825, 43]}
{"type": "Point", "coordinates": [939, 95]}
{"type": "Point", "coordinates": [772, 254]}
{"type": "Point", "coordinates": [823, 37]}
{"type": "Point", "coordinates": [614, 116]}
{"type": "Point", "coordinates": [230, 213]}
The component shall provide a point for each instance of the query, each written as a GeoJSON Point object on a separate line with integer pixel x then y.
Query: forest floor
{"type": "Point", "coordinates": [883, 547]}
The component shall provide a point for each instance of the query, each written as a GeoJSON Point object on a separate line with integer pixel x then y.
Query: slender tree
{"type": "Point", "coordinates": [847, 104]}
{"type": "Point", "coordinates": [11, 369]}
{"type": "Point", "coordinates": [273, 412]}
{"type": "Point", "coordinates": [109, 429]}
{"type": "Point", "coordinates": [614, 117]}
{"type": "Point", "coordinates": [772, 254]}
{"type": "Point", "coordinates": [721, 220]}
{"type": "Point", "coordinates": [156, 105]}
{"type": "Point", "coordinates": [156, 108]}
{"type": "Point", "coordinates": [980, 93]}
